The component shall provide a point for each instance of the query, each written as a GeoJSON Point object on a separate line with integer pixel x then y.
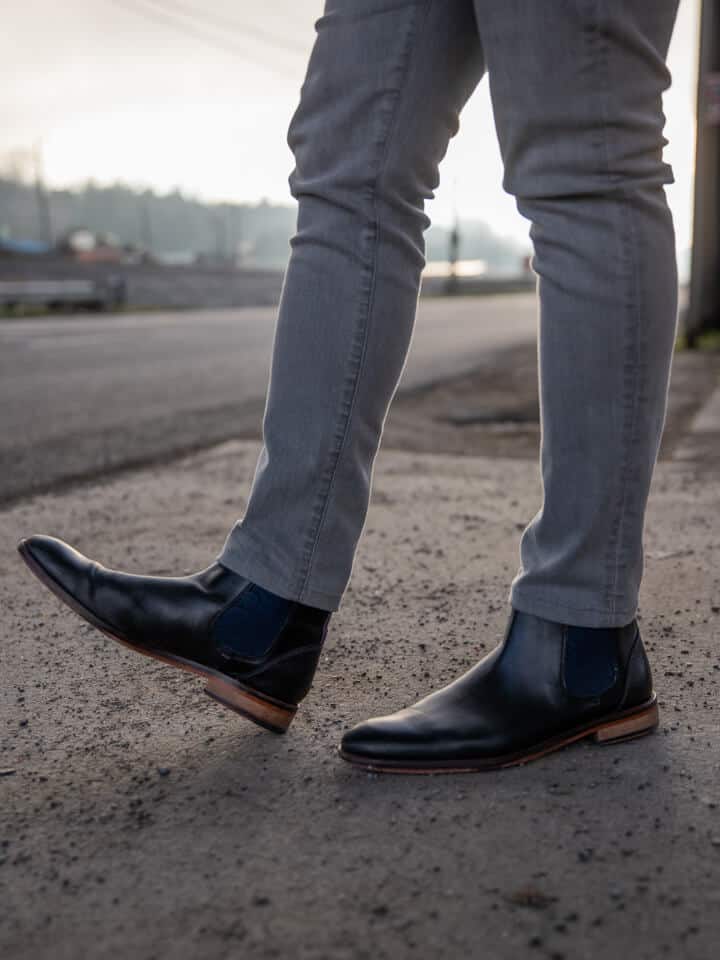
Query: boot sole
{"type": "Point", "coordinates": [266, 712]}
{"type": "Point", "coordinates": [618, 728]}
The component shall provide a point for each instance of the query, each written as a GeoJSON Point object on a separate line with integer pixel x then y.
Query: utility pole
{"type": "Point", "coordinates": [704, 306]}
{"type": "Point", "coordinates": [220, 234]}
{"type": "Point", "coordinates": [453, 247]}
{"type": "Point", "coordinates": [237, 248]}
{"type": "Point", "coordinates": [43, 200]}
{"type": "Point", "coordinates": [146, 232]}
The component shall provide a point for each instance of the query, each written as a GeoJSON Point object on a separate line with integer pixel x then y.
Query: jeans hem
{"type": "Point", "coordinates": [247, 562]}
{"type": "Point", "coordinates": [526, 601]}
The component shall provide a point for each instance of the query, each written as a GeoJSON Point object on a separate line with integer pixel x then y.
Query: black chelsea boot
{"type": "Point", "coordinates": [258, 651]}
{"type": "Point", "coordinates": [545, 686]}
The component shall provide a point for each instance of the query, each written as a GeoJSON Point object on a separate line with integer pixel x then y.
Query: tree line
{"type": "Point", "coordinates": [251, 234]}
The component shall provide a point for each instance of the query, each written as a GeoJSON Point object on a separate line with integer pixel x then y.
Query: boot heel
{"type": "Point", "coordinates": [254, 706]}
{"type": "Point", "coordinates": [627, 728]}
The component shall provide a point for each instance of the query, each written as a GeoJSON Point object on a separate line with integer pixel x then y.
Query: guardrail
{"type": "Point", "coordinates": [106, 294]}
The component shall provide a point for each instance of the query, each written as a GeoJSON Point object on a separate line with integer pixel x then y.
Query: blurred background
{"type": "Point", "coordinates": [145, 219]}
{"type": "Point", "coordinates": [138, 132]}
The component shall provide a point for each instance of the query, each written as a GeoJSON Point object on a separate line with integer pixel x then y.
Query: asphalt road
{"type": "Point", "coordinates": [84, 395]}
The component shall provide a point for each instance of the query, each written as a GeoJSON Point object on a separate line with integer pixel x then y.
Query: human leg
{"type": "Point", "coordinates": [381, 100]}
{"type": "Point", "coordinates": [576, 90]}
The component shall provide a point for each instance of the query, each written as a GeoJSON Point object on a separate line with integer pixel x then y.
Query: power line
{"type": "Point", "coordinates": [164, 18]}
{"type": "Point", "coordinates": [222, 22]}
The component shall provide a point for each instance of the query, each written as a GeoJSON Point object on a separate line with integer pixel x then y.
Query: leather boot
{"type": "Point", "coordinates": [258, 651]}
{"type": "Point", "coordinates": [545, 686]}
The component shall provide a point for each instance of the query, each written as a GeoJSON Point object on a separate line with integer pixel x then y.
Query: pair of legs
{"type": "Point", "coordinates": [576, 88]}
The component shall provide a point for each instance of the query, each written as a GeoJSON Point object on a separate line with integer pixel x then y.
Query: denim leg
{"type": "Point", "coordinates": [576, 87]}
{"type": "Point", "coordinates": [384, 87]}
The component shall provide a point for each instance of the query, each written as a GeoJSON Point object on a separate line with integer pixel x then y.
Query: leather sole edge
{"type": "Point", "coordinates": [626, 725]}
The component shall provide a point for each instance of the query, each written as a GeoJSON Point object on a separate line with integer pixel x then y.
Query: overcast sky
{"type": "Point", "coordinates": [117, 92]}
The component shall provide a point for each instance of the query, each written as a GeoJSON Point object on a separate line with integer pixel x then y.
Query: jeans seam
{"type": "Point", "coordinates": [347, 404]}
{"type": "Point", "coordinates": [631, 334]}
{"type": "Point", "coordinates": [632, 392]}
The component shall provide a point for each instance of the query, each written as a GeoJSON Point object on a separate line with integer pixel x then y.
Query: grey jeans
{"type": "Point", "coordinates": [576, 88]}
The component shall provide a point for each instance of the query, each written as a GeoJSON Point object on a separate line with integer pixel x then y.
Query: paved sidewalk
{"type": "Point", "coordinates": [139, 819]}
{"type": "Point", "coordinates": [701, 443]}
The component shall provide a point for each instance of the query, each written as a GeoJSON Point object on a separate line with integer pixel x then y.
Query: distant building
{"type": "Point", "coordinates": [84, 246]}
{"type": "Point", "coordinates": [22, 248]}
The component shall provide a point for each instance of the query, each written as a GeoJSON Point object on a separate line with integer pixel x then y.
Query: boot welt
{"type": "Point", "coordinates": [614, 728]}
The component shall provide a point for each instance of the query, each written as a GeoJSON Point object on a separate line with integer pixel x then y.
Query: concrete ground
{"type": "Point", "coordinates": [140, 819]}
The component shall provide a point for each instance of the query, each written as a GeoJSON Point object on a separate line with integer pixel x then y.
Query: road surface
{"type": "Point", "coordinates": [83, 395]}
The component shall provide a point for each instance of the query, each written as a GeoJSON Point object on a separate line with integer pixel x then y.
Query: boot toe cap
{"type": "Point", "coordinates": [394, 738]}
{"type": "Point", "coordinates": [56, 558]}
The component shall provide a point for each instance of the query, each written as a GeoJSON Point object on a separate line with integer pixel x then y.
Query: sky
{"type": "Point", "coordinates": [136, 91]}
